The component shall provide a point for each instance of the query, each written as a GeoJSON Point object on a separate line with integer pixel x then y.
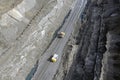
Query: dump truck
{"type": "Point", "coordinates": [61, 34]}
{"type": "Point", "coordinates": [54, 58]}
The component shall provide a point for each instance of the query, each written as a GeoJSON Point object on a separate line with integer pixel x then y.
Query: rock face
{"type": "Point", "coordinates": [98, 53]}
{"type": "Point", "coordinates": [111, 59]}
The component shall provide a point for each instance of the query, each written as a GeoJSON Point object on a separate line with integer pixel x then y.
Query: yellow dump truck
{"type": "Point", "coordinates": [61, 34]}
{"type": "Point", "coordinates": [54, 58]}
